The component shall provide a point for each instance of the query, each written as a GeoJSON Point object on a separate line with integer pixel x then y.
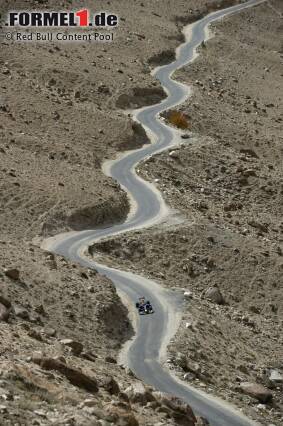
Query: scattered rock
{"type": "Point", "coordinates": [188, 294]}
{"type": "Point", "coordinates": [189, 377]}
{"type": "Point", "coordinates": [263, 227]}
{"type": "Point", "coordinates": [49, 331]}
{"type": "Point", "coordinates": [76, 347]}
{"type": "Point", "coordinates": [121, 416]}
{"type": "Point", "coordinates": [102, 88]}
{"type": "Point", "coordinates": [51, 82]}
{"type": "Point", "coordinates": [138, 393]}
{"type": "Point", "coordinates": [3, 409]}
{"type": "Point", "coordinates": [276, 376]}
{"type": "Point", "coordinates": [109, 384]}
{"type": "Point", "coordinates": [180, 360]}
{"type": "Point", "coordinates": [174, 154]}
{"type": "Point", "coordinates": [89, 403]}
{"type": "Point", "coordinates": [129, 372]}
{"type": "Point", "coordinates": [179, 410]}
{"type": "Point", "coordinates": [40, 310]}
{"type": "Point", "coordinates": [89, 356]}
{"type": "Point", "coordinates": [56, 115]}
{"type": "Point", "coordinates": [40, 413]}
{"type": "Point", "coordinates": [35, 335]}
{"type": "Point", "coordinates": [201, 421]}
{"type": "Point", "coordinates": [21, 312]}
{"type": "Point", "coordinates": [214, 295]}
{"type": "Point", "coordinates": [249, 172]}
{"type": "Point", "coordinates": [248, 151]}
{"type": "Point", "coordinates": [5, 301]}
{"type": "Point", "coordinates": [110, 359]}
{"type": "Point", "coordinates": [4, 313]}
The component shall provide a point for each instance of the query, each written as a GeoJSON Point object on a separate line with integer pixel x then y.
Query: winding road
{"type": "Point", "coordinates": [146, 351]}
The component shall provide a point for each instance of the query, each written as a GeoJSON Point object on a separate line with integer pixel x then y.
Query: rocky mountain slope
{"type": "Point", "coordinates": [62, 326]}
{"type": "Point", "coordinates": [226, 181]}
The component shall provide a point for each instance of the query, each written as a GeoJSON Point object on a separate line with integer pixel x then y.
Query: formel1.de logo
{"type": "Point", "coordinates": [81, 18]}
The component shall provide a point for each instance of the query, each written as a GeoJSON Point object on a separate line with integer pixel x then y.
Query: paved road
{"type": "Point", "coordinates": [153, 331]}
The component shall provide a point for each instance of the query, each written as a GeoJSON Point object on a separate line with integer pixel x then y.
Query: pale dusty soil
{"type": "Point", "coordinates": [60, 118]}
{"type": "Point", "coordinates": [227, 184]}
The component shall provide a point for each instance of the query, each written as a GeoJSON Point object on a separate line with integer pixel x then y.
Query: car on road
{"type": "Point", "coordinates": [144, 307]}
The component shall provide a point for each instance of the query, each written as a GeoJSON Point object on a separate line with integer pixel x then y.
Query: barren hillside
{"type": "Point", "coordinates": [63, 112]}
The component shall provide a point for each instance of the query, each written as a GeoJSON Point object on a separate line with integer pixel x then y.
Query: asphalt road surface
{"type": "Point", "coordinates": [148, 208]}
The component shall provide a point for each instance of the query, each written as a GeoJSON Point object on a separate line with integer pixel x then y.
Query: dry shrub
{"type": "Point", "coordinates": [178, 119]}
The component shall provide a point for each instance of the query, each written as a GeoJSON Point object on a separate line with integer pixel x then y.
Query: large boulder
{"type": "Point", "coordinates": [176, 408]}
{"type": "Point", "coordinates": [76, 377]}
{"type": "Point", "coordinates": [256, 391]}
{"type": "Point", "coordinates": [214, 295]}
